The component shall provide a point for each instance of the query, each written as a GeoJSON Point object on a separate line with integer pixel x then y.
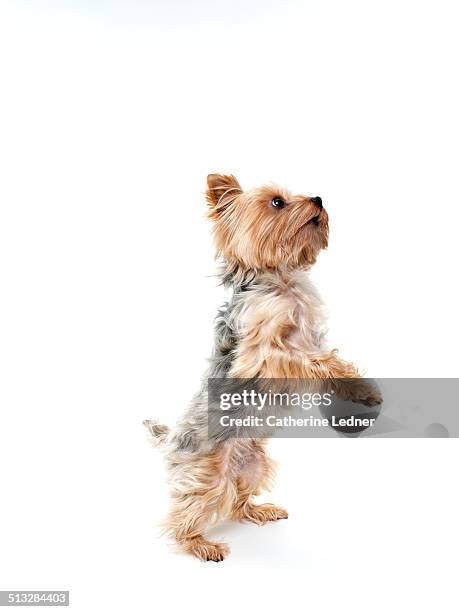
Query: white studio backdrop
{"type": "Point", "coordinates": [111, 116]}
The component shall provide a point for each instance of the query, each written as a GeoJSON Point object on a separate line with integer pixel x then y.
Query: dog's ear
{"type": "Point", "coordinates": [221, 189]}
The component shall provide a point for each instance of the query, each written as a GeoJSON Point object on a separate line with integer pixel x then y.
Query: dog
{"type": "Point", "coordinates": [272, 327]}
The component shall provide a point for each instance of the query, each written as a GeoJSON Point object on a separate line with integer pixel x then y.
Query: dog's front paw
{"type": "Point", "coordinates": [359, 390]}
{"type": "Point", "coordinates": [369, 395]}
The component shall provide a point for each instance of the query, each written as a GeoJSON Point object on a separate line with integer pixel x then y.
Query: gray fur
{"type": "Point", "coordinates": [190, 434]}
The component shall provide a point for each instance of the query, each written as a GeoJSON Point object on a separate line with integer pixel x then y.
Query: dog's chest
{"type": "Point", "coordinates": [283, 313]}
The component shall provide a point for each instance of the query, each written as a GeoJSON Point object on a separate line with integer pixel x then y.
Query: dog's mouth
{"type": "Point", "coordinates": [314, 220]}
{"type": "Point", "coordinates": [313, 223]}
{"type": "Point", "coordinates": [313, 227]}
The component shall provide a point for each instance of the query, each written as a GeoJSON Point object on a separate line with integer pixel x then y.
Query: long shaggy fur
{"type": "Point", "coordinates": [272, 327]}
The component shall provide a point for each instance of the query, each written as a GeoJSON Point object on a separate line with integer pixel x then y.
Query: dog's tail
{"type": "Point", "coordinates": [158, 432]}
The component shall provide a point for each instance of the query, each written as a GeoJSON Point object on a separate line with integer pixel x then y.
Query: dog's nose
{"type": "Point", "coordinates": [317, 200]}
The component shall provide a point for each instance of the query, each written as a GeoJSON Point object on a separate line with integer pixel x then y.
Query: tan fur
{"type": "Point", "coordinates": [249, 232]}
{"type": "Point", "coordinates": [279, 330]}
{"type": "Point", "coordinates": [218, 485]}
{"type": "Point", "coordinates": [281, 336]}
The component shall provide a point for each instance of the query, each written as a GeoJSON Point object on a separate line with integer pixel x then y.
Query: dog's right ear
{"type": "Point", "coordinates": [221, 189]}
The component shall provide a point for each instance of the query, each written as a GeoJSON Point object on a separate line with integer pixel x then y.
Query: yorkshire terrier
{"type": "Point", "coordinates": [272, 327]}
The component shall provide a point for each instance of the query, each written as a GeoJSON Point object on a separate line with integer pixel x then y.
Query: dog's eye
{"type": "Point", "coordinates": [278, 202]}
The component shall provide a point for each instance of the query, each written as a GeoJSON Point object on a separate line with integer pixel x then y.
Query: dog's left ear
{"type": "Point", "coordinates": [221, 189]}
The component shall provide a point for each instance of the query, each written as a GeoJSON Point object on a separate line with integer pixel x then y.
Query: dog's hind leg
{"type": "Point", "coordinates": [202, 493]}
{"type": "Point", "coordinates": [254, 477]}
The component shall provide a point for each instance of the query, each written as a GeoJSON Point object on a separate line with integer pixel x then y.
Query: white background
{"type": "Point", "coordinates": [112, 114]}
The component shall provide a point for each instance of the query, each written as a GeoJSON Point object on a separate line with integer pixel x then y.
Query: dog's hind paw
{"type": "Point", "coordinates": [206, 550]}
{"type": "Point", "coordinates": [261, 514]}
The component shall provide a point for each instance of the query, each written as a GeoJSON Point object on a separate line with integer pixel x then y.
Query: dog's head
{"type": "Point", "coordinates": [266, 227]}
